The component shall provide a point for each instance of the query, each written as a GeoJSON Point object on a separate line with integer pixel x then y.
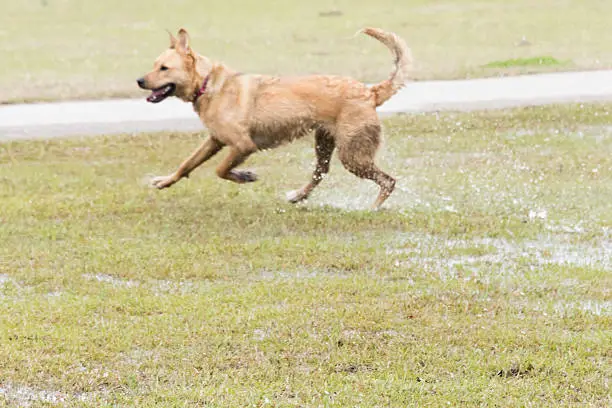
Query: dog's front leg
{"type": "Point", "coordinates": [207, 150]}
{"type": "Point", "coordinates": [237, 155]}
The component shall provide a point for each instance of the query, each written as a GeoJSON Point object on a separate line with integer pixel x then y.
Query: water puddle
{"type": "Point", "coordinates": [112, 280]}
{"type": "Point", "coordinates": [157, 286]}
{"type": "Point", "coordinates": [302, 274]}
{"type": "Point", "coordinates": [449, 256]}
{"type": "Point", "coordinates": [24, 396]}
{"type": "Point", "coordinates": [596, 308]}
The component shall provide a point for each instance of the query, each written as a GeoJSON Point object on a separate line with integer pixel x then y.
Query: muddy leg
{"type": "Point", "coordinates": [324, 148]}
{"type": "Point", "coordinates": [234, 158]}
{"type": "Point", "coordinates": [357, 156]}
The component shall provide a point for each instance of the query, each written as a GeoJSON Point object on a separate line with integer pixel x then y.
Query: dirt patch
{"type": "Point", "coordinates": [516, 370]}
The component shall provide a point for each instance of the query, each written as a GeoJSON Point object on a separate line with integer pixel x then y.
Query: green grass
{"type": "Point", "coordinates": [484, 282]}
{"type": "Point", "coordinates": [58, 49]}
{"type": "Point", "coordinates": [525, 62]}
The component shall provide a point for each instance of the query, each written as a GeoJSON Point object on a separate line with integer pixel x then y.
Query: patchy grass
{"type": "Point", "coordinates": [58, 49]}
{"type": "Point", "coordinates": [525, 62]}
{"type": "Point", "coordinates": [484, 281]}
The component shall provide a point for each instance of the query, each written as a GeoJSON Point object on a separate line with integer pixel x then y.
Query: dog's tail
{"type": "Point", "coordinates": [403, 63]}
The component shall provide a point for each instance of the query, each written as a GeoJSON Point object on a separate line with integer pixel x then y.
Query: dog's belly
{"type": "Point", "coordinates": [275, 134]}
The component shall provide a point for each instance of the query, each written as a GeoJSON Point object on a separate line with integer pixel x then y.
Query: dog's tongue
{"type": "Point", "coordinates": [156, 95]}
{"type": "Point", "coordinates": [160, 94]}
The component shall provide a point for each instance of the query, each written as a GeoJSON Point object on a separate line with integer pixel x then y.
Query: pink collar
{"type": "Point", "coordinates": [202, 89]}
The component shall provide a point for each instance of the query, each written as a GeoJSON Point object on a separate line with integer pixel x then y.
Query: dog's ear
{"type": "Point", "coordinates": [183, 40]}
{"type": "Point", "coordinates": [173, 39]}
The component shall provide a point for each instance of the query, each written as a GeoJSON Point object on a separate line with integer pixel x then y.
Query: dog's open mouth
{"type": "Point", "coordinates": [161, 93]}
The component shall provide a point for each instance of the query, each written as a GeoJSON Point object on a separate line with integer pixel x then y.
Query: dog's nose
{"type": "Point", "coordinates": [141, 82]}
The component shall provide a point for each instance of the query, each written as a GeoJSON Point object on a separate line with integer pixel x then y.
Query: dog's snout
{"type": "Point", "coordinates": [141, 82]}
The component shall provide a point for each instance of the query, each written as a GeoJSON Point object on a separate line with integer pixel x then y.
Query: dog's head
{"type": "Point", "coordinates": [175, 71]}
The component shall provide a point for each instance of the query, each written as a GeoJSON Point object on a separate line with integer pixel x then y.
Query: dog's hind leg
{"type": "Point", "coordinates": [357, 155]}
{"type": "Point", "coordinates": [324, 148]}
{"type": "Point", "coordinates": [207, 150]}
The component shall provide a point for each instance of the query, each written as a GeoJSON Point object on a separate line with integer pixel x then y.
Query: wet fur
{"type": "Point", "coordinates": [247, 113]}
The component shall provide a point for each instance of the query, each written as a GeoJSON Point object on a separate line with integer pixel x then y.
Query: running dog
{"type": "Point", "coordinates": [247, 113]}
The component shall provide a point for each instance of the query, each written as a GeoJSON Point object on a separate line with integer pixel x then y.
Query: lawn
{"type": "Point", "coordinates": [66, 49]}
{"type": "Point", "coordinates": [484, 281]}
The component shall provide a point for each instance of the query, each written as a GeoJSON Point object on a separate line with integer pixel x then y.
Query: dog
{"type": "Point", "coordinates": [247, 113]}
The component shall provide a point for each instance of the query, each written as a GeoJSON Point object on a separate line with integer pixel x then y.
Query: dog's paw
{"type": "Point", "coordinates": [244, 176]}
{"type": "Point", "coordinates": [295, 196]}
{"type": "Point", "coordinates": [163, 182]}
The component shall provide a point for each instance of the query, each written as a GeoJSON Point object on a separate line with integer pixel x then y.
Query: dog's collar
{"type": "Point", "coordinates": [200, 91]}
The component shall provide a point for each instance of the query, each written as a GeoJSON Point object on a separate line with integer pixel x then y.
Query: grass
{"type": "Point", "coordinates": [66, 49]}
{"type": "Point", "coordinates": [525, 62]}
{"type": "Point", "coordinates": [485, 281]}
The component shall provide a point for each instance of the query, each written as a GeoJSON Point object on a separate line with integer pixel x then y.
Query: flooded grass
{"type": "Point", "coordinates": [485, 277]}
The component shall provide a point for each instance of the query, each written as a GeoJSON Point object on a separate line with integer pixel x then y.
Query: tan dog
{"type": "Point", "coordinates": [247, 112]}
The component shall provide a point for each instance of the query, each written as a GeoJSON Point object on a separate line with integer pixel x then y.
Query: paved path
{"type": "Point", "coordinates": [136, 115]}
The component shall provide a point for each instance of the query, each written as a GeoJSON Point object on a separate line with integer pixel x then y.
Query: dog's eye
{"type": "Point", "coordinates": [163, 68]}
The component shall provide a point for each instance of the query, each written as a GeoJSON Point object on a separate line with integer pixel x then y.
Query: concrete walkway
{"type": "Point", "coordinates": [46, 120]}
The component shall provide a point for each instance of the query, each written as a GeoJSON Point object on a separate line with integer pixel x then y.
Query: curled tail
{"type": "Point", "coordinates": [403, 62]}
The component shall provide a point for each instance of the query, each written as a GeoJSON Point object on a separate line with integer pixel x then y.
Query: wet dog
{"type": "Point", "coordinates": [247, 113]}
